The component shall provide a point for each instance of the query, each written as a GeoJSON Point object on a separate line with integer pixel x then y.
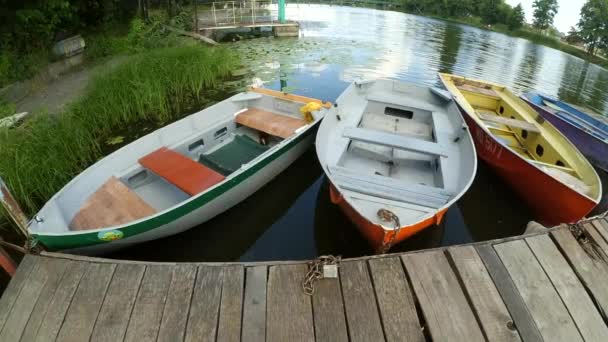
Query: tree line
{"type": "Point", "coordinates": [592, 28]}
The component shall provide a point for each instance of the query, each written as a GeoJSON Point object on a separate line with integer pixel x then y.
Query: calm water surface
{"type": "Point", "coordinates": [292, 217]}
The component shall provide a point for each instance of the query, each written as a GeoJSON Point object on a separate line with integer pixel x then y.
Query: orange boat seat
{"type": "Point", "coordinates": [274, 124]}
{"type": "Point", "coordinates": [181, 171]}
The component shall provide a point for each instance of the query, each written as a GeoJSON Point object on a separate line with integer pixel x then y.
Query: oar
{"type": "Point", "coordinates": [13, 209]}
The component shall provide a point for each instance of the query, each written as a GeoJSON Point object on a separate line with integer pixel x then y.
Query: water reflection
{"type": "Point", "coordinates": [292, 217]}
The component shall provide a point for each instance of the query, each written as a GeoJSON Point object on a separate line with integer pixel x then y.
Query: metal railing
{"type": "Point", "coordinates": [238, 13]}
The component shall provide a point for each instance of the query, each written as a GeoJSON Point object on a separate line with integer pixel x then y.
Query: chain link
{"type": "Point", "coordinates": [388, 216]}
{"type": "Point", "coordinates": [315, 271]}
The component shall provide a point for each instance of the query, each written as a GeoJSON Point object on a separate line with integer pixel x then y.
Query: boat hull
{"type": "Point", "coordinates": [593, 148]}
{"type": "Point", "coordinates": [552, 202]}
{"type": "Point", "coordinates": [376, 235]}
{"type": "Point", "coordinates": [189, 214]}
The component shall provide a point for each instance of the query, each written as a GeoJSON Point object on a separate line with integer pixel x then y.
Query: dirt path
{"type": "Point", "coordinates": [53, 96]}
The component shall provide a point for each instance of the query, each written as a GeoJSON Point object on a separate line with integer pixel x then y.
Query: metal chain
{"type": "Point", "coordinates": [315, 271]}
{"type": "Point", "coordinates": [388, 216]}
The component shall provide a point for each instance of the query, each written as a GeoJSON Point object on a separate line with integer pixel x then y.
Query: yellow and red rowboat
{"type": "Point", "coordinates": [531, 155]}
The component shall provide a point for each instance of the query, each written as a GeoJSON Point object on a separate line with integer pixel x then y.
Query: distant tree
{"type": "Point", "coordinates": [544, 12]}
{"type": "Point", "coordinates": [593, 24]}
{"type": "Point", "coordinates": [573, 36]}
{"type": "Point", "coordinates": [517, 18]}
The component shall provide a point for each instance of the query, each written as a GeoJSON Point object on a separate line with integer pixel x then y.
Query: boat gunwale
{"type": "Point", "coordinates": [482, 126]}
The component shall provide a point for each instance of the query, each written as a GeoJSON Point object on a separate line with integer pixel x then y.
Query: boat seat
{"type": "Point", "coordinates": [478, 90]}
{"type": "Point", "coordinates": [274, 124]}
{"type": "Point", "coordinates": [522, 124]}
{"type": "Point", "coordinates": [111, 205]}
{"type": "Point", "coordinates": [390, 188]}
{"type": "Point", "coordinates": [394, 141]}
{"type": "Point", "coordinates": [181, 171]}
{"type": "Point", "coordinates": [233, 155]}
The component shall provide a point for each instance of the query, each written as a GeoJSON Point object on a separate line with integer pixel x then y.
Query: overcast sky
{"type": "Point", "coordinates": [567, 15]}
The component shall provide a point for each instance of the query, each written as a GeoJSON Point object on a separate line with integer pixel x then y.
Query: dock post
{"type": "Point", "coordinates": [281, 11]}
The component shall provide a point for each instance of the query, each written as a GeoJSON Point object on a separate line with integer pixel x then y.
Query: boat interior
{"type": "Point", "coordinates": [402, 148]}
{"type": "Point", "coordinates": [514, 124]}
{"type": "Point", "coordinates": [586, 120]}
{"type": "Point", "coordinates": [177, 162]}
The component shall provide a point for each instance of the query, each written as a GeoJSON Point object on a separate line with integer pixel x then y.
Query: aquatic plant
{"type": "Point", "coordinates": [40, 156]}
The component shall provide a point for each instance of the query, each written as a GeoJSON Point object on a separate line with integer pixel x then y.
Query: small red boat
{"type": "Point", "coordinates": [531, 155]}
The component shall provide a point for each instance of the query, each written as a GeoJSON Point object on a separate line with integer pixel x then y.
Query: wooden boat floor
{"type": "Point", "coordinates": [271, 123]}
{"type": "Point", "coordinates": [181, 171]}
{"type": "Point", "coordinates": [112, 204]}
{"type": "Point", "coordinates": [233, 155]}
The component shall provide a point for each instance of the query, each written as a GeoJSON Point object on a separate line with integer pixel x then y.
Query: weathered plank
{"type": "Point", "coordinates": [395, 300]}
{"type": "Point", "coordinates": [596, 236]}
{"type": "Point", "coordinates": [289, 309]}
{"type": "Point", "coordinates": [444, 305]}
{"type": "Point", "coordinates": [254, 304]}
{"type": "Point", "coordinates": [149, 304]}
{"type": "Point", "coordinates": [46, 270]}
{"type": "Point", "coordinates": [602, 228]}
{"type": "Point", "coordinates": [547, 310]}
{"type": "Point", "coordinates": [175, 316]}
{"type": "Point", "coordinates": [491, 310]}
{"type": "Point", "coordinates": [573, 294]}
{"type": "Point", "coordinates": [362, 315]}
{"type": "Point", "coordinates": [84, 309]}
{"type": "Point", "coordinates": [504, 284]}
{"type": "Point", "coordinates": [14, 287]}
{"type": "Point", "coordinates": [116, 309]}
{"type": "Point", "coordinates": [202, 322]}
{"type": "Point", "coordinates": [59, 304]}
{"type": "Point", "coordinates": [51, 286]}
{"type": "Point", "coordinates": [590, 268]}
{"type": "Point", "coordinates": [229, 326]}
{"type": "Point", "coordinates": [328, 311]}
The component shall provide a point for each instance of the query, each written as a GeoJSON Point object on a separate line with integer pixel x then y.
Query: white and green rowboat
{"type": "Point", "coordinates": [180, 175]}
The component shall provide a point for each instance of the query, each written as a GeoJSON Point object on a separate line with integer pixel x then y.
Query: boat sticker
{"type": "Point", "coordinates": [110, 235]}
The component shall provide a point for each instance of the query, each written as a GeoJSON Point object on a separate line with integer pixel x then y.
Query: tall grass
{"type": "Point", "coordinates": [39, 157]}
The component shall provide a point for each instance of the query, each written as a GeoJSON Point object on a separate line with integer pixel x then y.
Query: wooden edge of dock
{"type": "Point", "coordinates": [548, 286]}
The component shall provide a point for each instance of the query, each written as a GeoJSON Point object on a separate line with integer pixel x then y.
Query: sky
{"type": "Point", "coordinates": [567, 14]}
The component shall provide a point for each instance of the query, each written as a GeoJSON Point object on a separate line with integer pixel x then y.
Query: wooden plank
{"type": "Point", "coordinates": [362, 315]}
{"type": "Point", "coordinates": [116, 309]}
{"type": "Point", "coordinates": [395, 300]}
{"type": "Point", "coordinates": [57, 308]}
{"type": "Point", "coordinates": [175, 316]}
{"type": "Point", "coordinates": [596, 236]}
{"type": "Point", "coordinates": [278, 125]}
{"type": "Point", "coordinates": [46, 271]}
{"type": "Point", "coordinates": [547, 310]}
{"type": "Point", "coordinates": [14, 287]}
{"type": "Point", "coordinates": [602, 228]}
{"type": "Point", "coordinates": [491, 310]}
{"type": "Point", "coordinates": [112, 204]}
{"type": "Point", "coordinates": [254, 304]}
{"type": "Point", "coordinates": [149, 304]}
{"type": "Point", "coordinates": [229, 326]}
{"type": "Point", "coordinates": [573, 294]}
{"type": "Point", "coordinates": [588, 266]}
{"type": "Point", "coordinates": [328, 311]}
{"type": "Point", "coordinates": [84, 309]}
{"type": "Point", "coordinates": [203, 318]}
{"type": "Point", "coordinates": [504, 284]}
{"type": "Point", "coordinates": [395, 141]}
{"type": "Point", "coordinates": [289, 309]}
{"type": "Point", "coordinates": [444, 305]}
{"type": "Point", "coordinates": [522, 124]}
{"type": "Point", "coordinates": [289, 97]}
{"type": "Point", "coordinates": [51, 286]}
{"type": "Point", "coordinates": [479, 89]}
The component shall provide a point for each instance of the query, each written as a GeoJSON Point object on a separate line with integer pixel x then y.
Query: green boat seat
{"type": "Point", "coordinates": [229, 158]}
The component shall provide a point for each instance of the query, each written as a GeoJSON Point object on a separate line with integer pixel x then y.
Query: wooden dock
{"type": "Point", "coordinates": [549, 286]}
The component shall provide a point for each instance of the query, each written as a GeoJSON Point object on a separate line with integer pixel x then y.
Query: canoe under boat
{"type": "Point", "coordinates": [586, 130]}
{"type": "Point", "coordinates": [180, 175]}
{"type": "Point", "coordinates": [531, 155]}
{"type": "Point", "coordinates": [397, 157]}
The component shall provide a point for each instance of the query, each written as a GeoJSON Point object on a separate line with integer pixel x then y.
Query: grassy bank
{"type": "Point", "coordinates": [39, 157]}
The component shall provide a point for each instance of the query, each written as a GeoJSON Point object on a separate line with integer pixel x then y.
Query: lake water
{"type": "Point", "coordinates": [292, 217]}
